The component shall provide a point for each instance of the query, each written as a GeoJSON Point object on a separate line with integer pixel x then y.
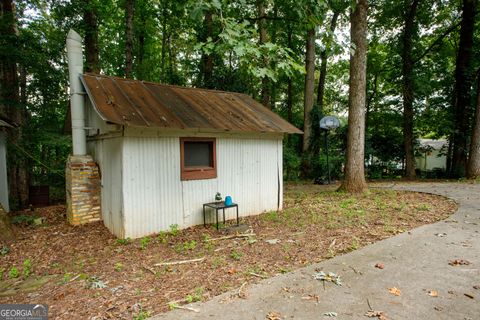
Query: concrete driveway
{"type": "Point", "coordinates": [415, 262]}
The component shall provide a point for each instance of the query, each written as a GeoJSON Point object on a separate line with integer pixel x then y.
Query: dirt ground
{"type": "Point", "coordinates": [84, 272]}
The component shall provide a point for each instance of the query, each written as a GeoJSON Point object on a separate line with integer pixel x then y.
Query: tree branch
{"type": "Point", "coordinates": [437, 41]}
{"type": "Point", "coordinates": [266, 17]}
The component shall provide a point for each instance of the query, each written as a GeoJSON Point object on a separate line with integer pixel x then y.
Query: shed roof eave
{"type": "Point", "coordinates": [159, 132]}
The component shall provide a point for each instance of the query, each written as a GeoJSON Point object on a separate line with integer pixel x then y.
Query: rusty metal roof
{"type": "Point", "coordinates": [145, 104]}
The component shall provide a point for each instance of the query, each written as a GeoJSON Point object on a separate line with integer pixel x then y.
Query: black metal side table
{"type": "Point", "coordinates": [218, 206]}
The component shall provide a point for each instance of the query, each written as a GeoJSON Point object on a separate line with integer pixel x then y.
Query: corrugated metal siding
{"type": "Point", "coordinates": [195, 193]}
{"type": "Point", "coordinates": [108, 154]}
{"type": "Point", "coordinates": [247, 171]}
{"type": "Point", "coordinates": [155, 197]}
{"type": "Point", "coordinates": [151, 185]}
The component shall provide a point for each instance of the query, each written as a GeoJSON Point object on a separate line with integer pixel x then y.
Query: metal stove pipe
{"type": "Point", "coordinates": [77, 93]}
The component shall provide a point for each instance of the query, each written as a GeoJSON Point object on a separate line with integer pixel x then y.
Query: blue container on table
{"type": "Point", "coordinates": [228, 201]}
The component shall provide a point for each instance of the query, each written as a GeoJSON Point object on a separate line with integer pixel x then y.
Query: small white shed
{"type": "Point", "coordinates": [164, 150]}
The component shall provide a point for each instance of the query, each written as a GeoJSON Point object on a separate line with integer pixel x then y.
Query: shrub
{"type": "Point", "coordinates": [27, 268]}
{"type": "Point", "coordinates": [123, 241]}
{"type": "Point", "coordinates": [13, 273]}
{"type": "Point", "coordinates": [144, 242]}
{"type": "Point", "coordinates": [174, 229]}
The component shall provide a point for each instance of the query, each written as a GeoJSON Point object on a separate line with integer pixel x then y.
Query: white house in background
{"type": "Point", "coordinates": [3, 166]}
{"type": "Point", "coordinates": [432, 154]}
{"type": "Point", "coordinates": [164, 150]}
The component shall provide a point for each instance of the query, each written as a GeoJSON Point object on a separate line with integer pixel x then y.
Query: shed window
{"type": "Point", "coordinates": [198, 158]}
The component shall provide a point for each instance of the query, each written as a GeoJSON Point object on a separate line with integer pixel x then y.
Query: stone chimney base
{"type": "Point", "coordinates": [83, 190]}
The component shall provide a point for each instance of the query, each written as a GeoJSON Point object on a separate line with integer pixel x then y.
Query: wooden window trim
{"type": "Point", "coordinates": [197, 173]}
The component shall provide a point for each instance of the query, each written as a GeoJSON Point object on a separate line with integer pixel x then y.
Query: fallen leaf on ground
{"type": "Point", "coordinates": [232, 271]}
{"type": "Point", "coordinates": [380, 266]}
{"type": "Point", "coordinates": [273, 241]}
{"type": "Point", "coordinates": [272, 315]}
{"type": "Point", "coordinates": [330, 314]}
{"type": "Point", "coordinates": [438, 308]}
{"type": "Point", "coordinates": [440, 234]}
{"type": "Point", "coordinates": [476, 287]}
{"type": "Point", "coordinates": [395, 291]}
{"type": "Point", "coordinates": [376, 314]}
{"type": "Point", "coordinates": [328, 277]}
{"type": "Point", "coordinates": [433, 293]}
{"type": "Point", "coordinates": [459, 262]}
{"type": "Point", "coordinates": [311, 297]}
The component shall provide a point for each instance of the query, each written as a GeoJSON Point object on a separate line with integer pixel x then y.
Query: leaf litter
{"type": "Point", "coordinates": [320, 222]}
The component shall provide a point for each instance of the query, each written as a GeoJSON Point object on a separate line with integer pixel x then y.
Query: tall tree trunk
{"type": "Point", "coordinates": [141, 51]}
{"type": "Point", "coordinates": [129, 13]}
{"type": "Point", "coordinates": [207, 59]}
{"type": "Point", "coordinates": [323, 67]}
{"type": "Point", "coordinates": [370, 100]}
{"type": "Point", "coordinates": [262, 31]}
{"type": "Point", "coordinates": [354, 181]}
{"type": "Point", "coordinates": [407, 87]}
{"type": "Point", "coordinates": [273, 85]}
{"type": "Point", "coordinates": [289, 86]}
{"type": "Point", "coordinates": [164, 43]}
{"type": "Point", "coordinates": [449, 153]}
{"type": "Point", "coordinates": [8, 63]}
{"type": "Point", "coordinates": [462, 90]}
{"type": "Point", "coordinates": [91, 37]}
{"type": "Point", "coordinates": [473, 167]}
{"type": "Point", "coordinates": [309, 88]}
{"type": "Point", "coordinates": [290, 100]}
{"type": "Point", "coordinates": [23, 85]}
{"type": "Point", "coordinates": [11, 104]}
{"type": "Point", "coordinates": [172, 62]}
